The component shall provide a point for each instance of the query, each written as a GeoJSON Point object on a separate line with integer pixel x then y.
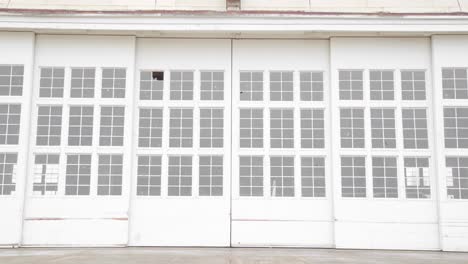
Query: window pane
{"type": "Point", "coordinates": [282, 176]}
{"type": "Point", "coordinates": [52, 82]}
{"type": "Point", "coordinates": [80, 130]}
{"type": "Point", "coordinates": [351, 85]}
{"type": "Point", "coordinates": [82, 83]}
{"type": "Point", "coordinates": [112, 126]}
{"type": "Point", "coordinates": [212, 85]}
{"type": "Point", "coordinates": [49, 125]}
{"type": "Point", "coordinates": [181, 128]}
{"type": "Point", "coordinates": [454, 83]}
{"type": "Point", "coordinates": [281, 86]}
{"type": "Point", "coordinates": [313, 176]}
{"type": "Point", "coordinates": [417, 181]}
{"type": "Point", "coordinates": [181, 85]}
{"type": "Point", "coordinates": [251, 128]}
{"type": "Point", "coordinates": [46, 174]}
{"type": "Point", "coordinates": [180, 176]}
{"type": "Point", "coordinates": [415, 133]}
{"type": "Point", "coordinates": [312, 128]}
{"type": "Point", "coordinates": [383, 128]}
{"type": "Point", "coordinates": [78, 175]}
{"type": "Point", "coordinates": [353, 177]}
{"type": "Point", "coordinates": [457, 177]}
{"type": "Point", "coordinates": [10, 115]}
{"type": "Point", "coordinates": [352, 128]}
{"type": "Point", "coordinates": [311, 85]}
{"type": "Point", "coordinates": [151, 85]}
{"type": "Point", "coordinates": [250, 176]}
{"type": "Point", "coordinates": [282, 128]}
{"type": "Point", "coordinates": [110, 174]}
{"type": "Point", "coordinates": [149, 175]}
{"type": "Point", "coordinates": [381, 85]}
{"type": "Point", "coordinates": [211, 176]}
{"type": "Point", "coordinates": [11, 80]}
{"type": "Point", "coordinates": [251, 86]}
{"type": "Point", "coordinates": [8, 165]}
{"type": "Point", "coordinates": [211, 128]}
{"type": "Point", "coordinates": [113, 83]}
{"type": "Point", "coordinates": [384, 176]}
{"type": "Point", "coordinates": [456, 127]}
{"type": "Point", "coordinates": [413, 85]}
{"type": "Point", "coordinates": [150, 128]}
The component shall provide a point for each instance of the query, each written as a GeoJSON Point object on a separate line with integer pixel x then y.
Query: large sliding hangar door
{"type": "Point", "coordinates": [344, 142]}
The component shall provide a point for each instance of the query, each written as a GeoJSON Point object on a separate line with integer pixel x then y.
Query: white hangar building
{"type": "Point", "coordinates": [321, 123]}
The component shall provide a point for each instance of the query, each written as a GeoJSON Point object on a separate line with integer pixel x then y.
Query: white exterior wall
{"type": "Point", "coordinates": [299, 5]}
{"type": "Point", "coordinates": [432, 224]}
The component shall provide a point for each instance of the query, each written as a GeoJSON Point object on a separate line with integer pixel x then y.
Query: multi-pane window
{"type": "Point", "coordinates": [384, 177]}
{"type": "Point", "coordinates": [456, 127]}
{"type": "Point", "coordinates": [82, 83]}
{"type": "Point", "coordinates": [211, 127]}
{"type": "Point", "coordinates": [311, 86]}
{"type": "Point", "coordinates": [415, 128]}
{"type": "Point", "coordinates": [251, 86]}
{"type": "Point", "coordinates": [8, 164]}
{"type": "Point", "coordinates": [417, 181]}
{"type": "Point", "coordinates": [78, 174]}
{"type": "Point", "coordinates": [112, 126]}
{"type": "Point", "coordinates": [383, 128]}
{"type": "Point", "coordinates": [80, 129]}
{"type": "Point", "coordinates": [353, 177]}
{"type": "Point", "coordinates": [351, 84]}
{"type": "Point", "coordinates": [281, 86]}
{"type": "Point", "coordinates": [181, 85]}
{"type": "Point", "coordinates": [10, 115]}
{"type": "Point", "coordinates": [46, 174]}
{"type": "Point", "coordinates": [457, 177]}
{"type": "Point", "coordinates": [312, 128]}
{"type": "Point", "coordinates": [352, 127]}
{"type": "Point", "coordinates": [180, 176]}
{"type": "Point", "coordinates": [381, 85]}
{"type": "Point", "coordinates": [413, 85]}
{"type": "Point", "coordinates": [151, 85]}
{"type": "Point", "coordinates": [181, 128]}
{"type": "Point", "coordinates": [110, 174]}
{"type": "Point", "coordinates": [11, 80]}
{"type": "Point", "coordinates": [251, 176]}
{"type": "Point", "coordinates": [251, 128]}
{"type": "Point", "coordinates": [455, 83]}
{"type": "Point", "coordinates": [282, 176]}
{"type": "Point", "coordinates": [211, 176]}
{"type": "Point", "coordinates": [52, 82]}
{"type": "Point", "coordinates": [49, 126]}
{"type": "Point", "coordinates": [149, 175]}
{"type": "Point", "coordinates": [212, 85]}
{"type": "Point", "coordinates": [282, 128]}
{"type": "Point", "coordinates": [150, 128]}
{"type": "Point", "coordinates": [313, 176]}
{"type": "Point", "coordinates": [113, 83]}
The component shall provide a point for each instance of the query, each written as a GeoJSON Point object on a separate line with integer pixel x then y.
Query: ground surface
{"type": "Point", "coordinates": [222, 256]}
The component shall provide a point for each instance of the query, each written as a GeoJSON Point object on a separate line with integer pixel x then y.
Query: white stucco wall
{"type": "Point", "coordinates": [302, 5]}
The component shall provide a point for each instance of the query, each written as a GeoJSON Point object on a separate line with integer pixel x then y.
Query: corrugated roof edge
{"type": "Point", "coordinates": [219, 13]}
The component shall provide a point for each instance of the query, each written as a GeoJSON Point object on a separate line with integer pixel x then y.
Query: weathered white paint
{"type": "Point", "coordinates": [398, 223]}
{"type": "Point", "coordinates": [84, 220]}
{"type": "Point", "coordinates": [449, 51]}
{"type": "Point", "coordinates": [17, 48]}
{"type": "Point", "coordinates": [193, 220]}
{"type": "Point", "coordinates": [331, 222]}
{"type": "Point", "coordinates": [302, 5]}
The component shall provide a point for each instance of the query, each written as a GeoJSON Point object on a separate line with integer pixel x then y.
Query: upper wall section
{"type": "Point", "coordinates": [394, 6]}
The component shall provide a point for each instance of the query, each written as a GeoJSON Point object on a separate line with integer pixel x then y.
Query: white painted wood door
{"type": "Point", "coordinates": [281, 148]}
{"type": "Point", "coordinates": [189, 202]}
